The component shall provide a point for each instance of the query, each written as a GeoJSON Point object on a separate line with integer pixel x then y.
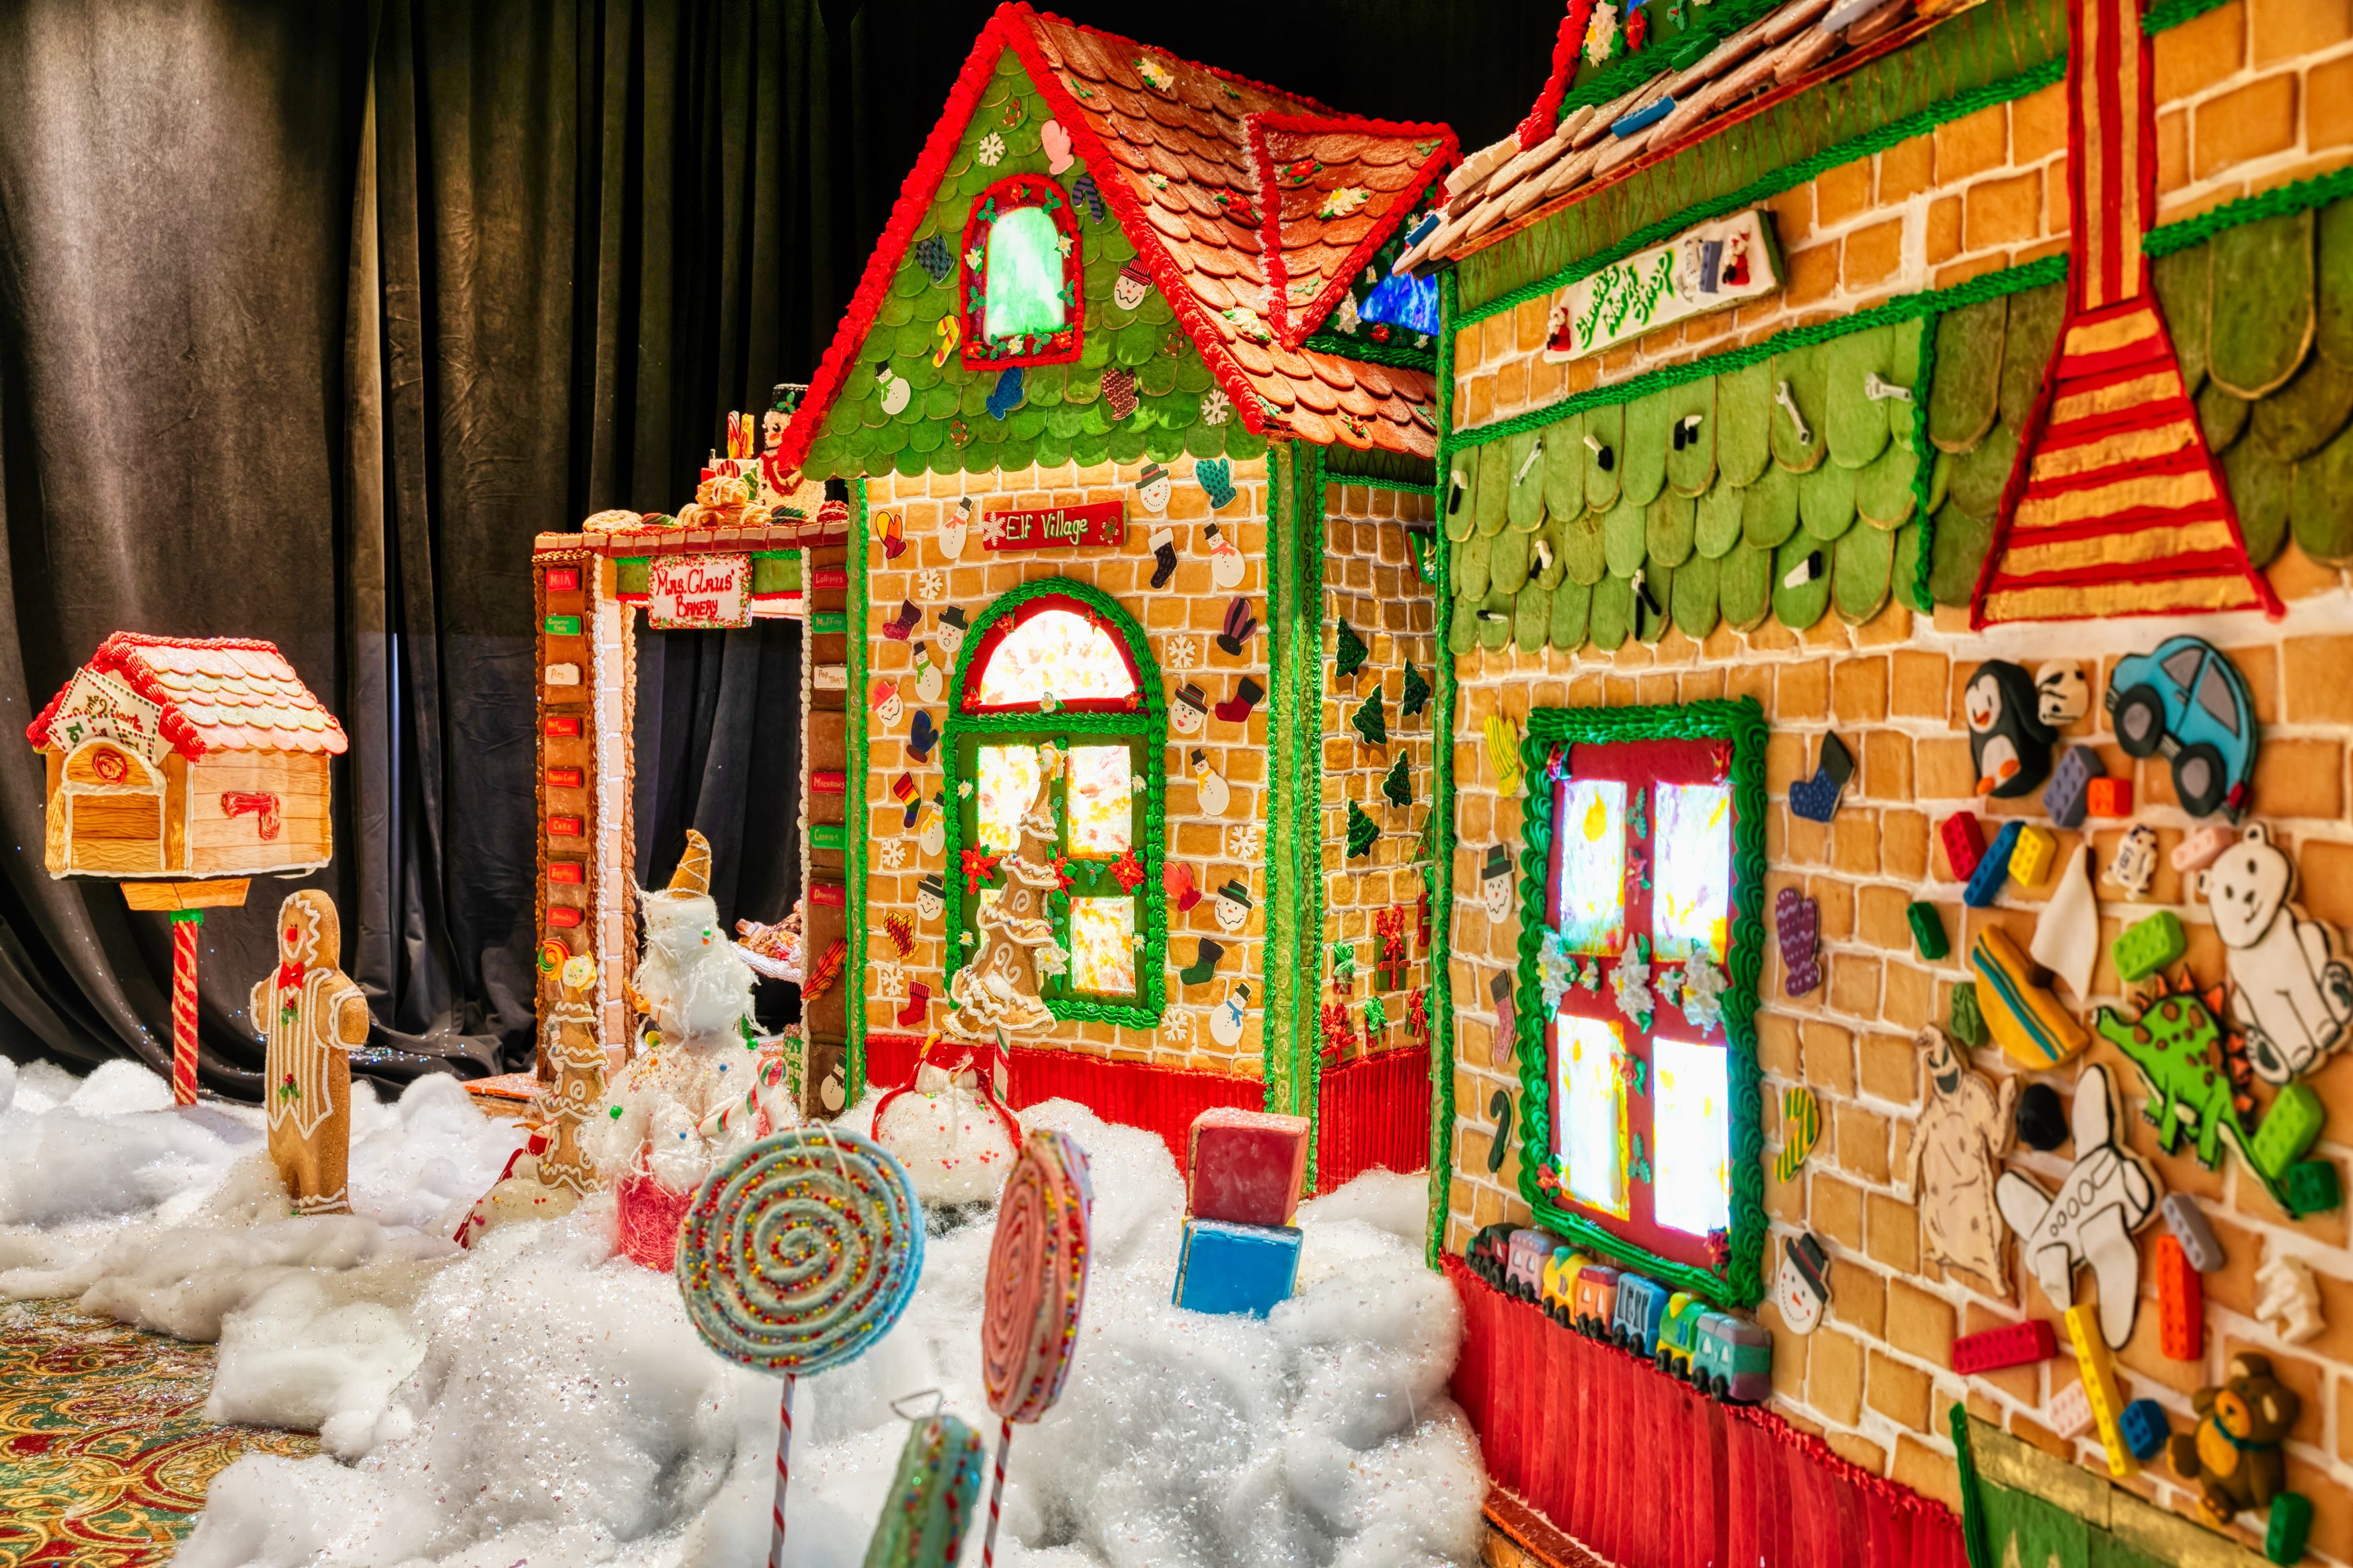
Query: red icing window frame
{"type": "Point", "coordinates": [984, 648]}
{"type": "Point", "coordinates": [1643, 764]}
{"type": "Point", "coordinates": [1012, 194]}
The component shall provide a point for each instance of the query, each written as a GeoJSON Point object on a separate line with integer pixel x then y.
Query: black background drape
{"type": "Point", "coordinates": [311, 316]}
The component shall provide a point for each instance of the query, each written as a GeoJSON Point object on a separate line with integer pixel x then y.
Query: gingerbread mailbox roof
{"type": "Point", "coordinates": [1250, 210]}
{"type": "Point", "coordinates": [217, 694]}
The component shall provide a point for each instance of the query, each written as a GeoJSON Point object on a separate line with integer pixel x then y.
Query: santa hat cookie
{"type": "Point", "coordinates": [1128, 290]}
{"type": "Point", "coordinates": [886, 703]}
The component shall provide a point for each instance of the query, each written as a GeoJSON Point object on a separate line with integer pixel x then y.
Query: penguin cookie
{"type": "Point", "coordinates": [2010, 745]}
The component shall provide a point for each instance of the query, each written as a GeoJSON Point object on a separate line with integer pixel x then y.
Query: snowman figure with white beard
{"type": "Point", "coordinates": [700, 1088]}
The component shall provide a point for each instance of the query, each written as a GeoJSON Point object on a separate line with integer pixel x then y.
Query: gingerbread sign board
{"type": "Point", "coordinates": [1710, 268]}
{"type": "Point", "coordinates": [698, 593]}
{"type": "Point", "coordinates": [1099, 524]}
{"type": "Point", "coordinates": [104, 707]}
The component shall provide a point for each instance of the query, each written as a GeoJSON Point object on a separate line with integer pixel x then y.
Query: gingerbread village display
{"type": "Point", "coordinates": [1753, 677]}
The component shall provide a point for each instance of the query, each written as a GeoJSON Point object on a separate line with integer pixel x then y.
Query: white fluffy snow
{"type": "Point", "coordinates": [540, 1401]}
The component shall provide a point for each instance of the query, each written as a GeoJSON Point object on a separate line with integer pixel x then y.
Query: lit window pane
{"type": "Point", "coordinates": [1056, 652]}
{"type": "Point", "coordinates": [1102, 946]}
{"type": "Point", "coordinates": [1025, 274]}
{"type": "Point", "coordinates": [1102, 795]}
{"type": "Point", "coordinates": [1592, 823]}
{"type": "Point", "coordinates": [1008, 783]}
{"type": "Point", "coordinates": [1691, 889]}
{"type": "Point", "coordinates": [1694, 1148]}
{"type": "Point", "coordinates": [1592, 1095]}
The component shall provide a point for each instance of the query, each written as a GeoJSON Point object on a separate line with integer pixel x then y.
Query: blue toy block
{"type": "Point", "coordinates": [1986, 881]}
{"type": "Point", "coordinates": [1642, 118]}
{"type": "Point", "coordinates": [2066, 796]}
{"type": "Point", "coordinates": [2144, 1428]}
{"type": "Point", "coordinates": [1235, 1270]}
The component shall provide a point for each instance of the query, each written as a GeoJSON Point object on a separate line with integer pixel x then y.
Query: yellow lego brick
{"type": "Point", "coordinates": [2031, 857]}
{"type": "Point", "coordinates": [2099, 1374]}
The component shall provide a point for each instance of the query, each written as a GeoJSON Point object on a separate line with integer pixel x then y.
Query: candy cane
{"type": "Point", "coordinates": [783, 1475]}
{"type": "Point", "coordinates": [185, 926]}
{"type": "Point", "coordinates": [996, 1493]}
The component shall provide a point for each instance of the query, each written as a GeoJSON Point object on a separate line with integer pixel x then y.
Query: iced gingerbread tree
{"type": "Point", "coordinates": [994, 997]}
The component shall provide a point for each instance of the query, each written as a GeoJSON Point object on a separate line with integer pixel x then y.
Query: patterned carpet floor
{"type": "Point", "coordinates": [104, 1451]}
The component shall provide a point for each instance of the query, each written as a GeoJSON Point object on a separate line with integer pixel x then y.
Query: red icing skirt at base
{"type": "Point", "coordinates": [650, 1214]}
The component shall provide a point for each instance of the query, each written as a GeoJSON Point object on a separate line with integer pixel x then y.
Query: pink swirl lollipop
{"type": "Point", "coordinates": [1037, 1283]}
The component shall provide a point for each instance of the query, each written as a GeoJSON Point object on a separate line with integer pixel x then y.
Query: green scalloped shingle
{"type": "Point", "coordinates": [1242, 442]}
{"type": "Point", "coordinates": [1826, 500]}
{"type": "Point", "coordinates": [1611, 616]}
{"type": "Point", "coordinates": [1496, 612]}
{"type": "Point", "coordinates": [2032, 340]}
{"type": "Point", "coordinates": [1769, 509]}
{"type": "Point", "coordinates": [1507, 562]}
{"type": "Point", "coordinates": [1882, 491]}
{"type": "Point", "coordinates": [1718, 526]}
{"type": "Point", "coordinates": [1642, 463]}
{"type": "Point", "coordinates": [1744, 585]}
{"type": "Point", "coordinates": [1564, 464]}
{"type": "Point", "coordinates": [1744, 435]}
{"type": "Point", "coordinates": [2222, 416]}
{"type": "Point", "coordinates": [1670, 523]}
{"type": "Point", "coordinates": [1584, 555]}
{"type": "Point", "coordinates": [1860, 574]}
{"type": "Point", "coordinates": [2333, 283]}
{"type": "Point", "coordinates": [1571, 603]}
{"type": "Point", "coordinates": [1800, 606]}
{"type": "Point", "coordinates": [1625, 536]}
{"type": "Point", "coordinates": [1940, 481]}
{"type": "Point", "coordinates": [1156, 377]}
{"type": "Point", "coordinates": [1525, 508]}
{"type": "Point", "coordinates": [1651, 625]}
{"type": "Point", "coordinates": [2182, 281]}
{"type": "Point", "coordinates": [2263, 320]}
{"type": "Point", "coordinates": [1855, 425]}
{"type": "Point", "coordinates": [2302, 417]}
{"type": "Point", "coordinates": [1495, 489]}
{"type": "Point", "coordinates": [1551, 564]}
{"type": "Point", "coordinates": [1904, 578]}
{"type": "Point", "coordinates": [1690, 469]}
{"type": "Point", "coordinates": [1694, 607]}
{"type": "Point", "coordinates": [2320, 506]}
{"type": "Point", "coordinates": [1604, 432]}
{"type": "Point", "coordinates": [1806, 374]}
{"type": "Point", "coordinates": [1532, 618]}
{"type": "Point", "coordinates": [1463, 626]}
{"type": "Point", "coordinates": [1474, 566]}
{"type": "Point", "coordinates": [1978, 475]}
{"type": "Point", "coordinates": [1460, 504]}
{"type": "Point", "coordinates": [1961, 541]}
{"type": "Point", "coordinates": [2260, 485]}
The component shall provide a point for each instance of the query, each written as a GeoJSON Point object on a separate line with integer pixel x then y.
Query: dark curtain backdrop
{"type": "Point", "coordinates": [312, 315]}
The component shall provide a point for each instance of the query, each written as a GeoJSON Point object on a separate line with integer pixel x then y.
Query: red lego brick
{"type": "Point", "coordinates": [2108, 798]}
{"type": "Point", "coordinates": [1964, 843]}
{"type": "Point", "coordinates": [2180, 1303]}
{"type": "Point", "coordinates": [2017, 1345]}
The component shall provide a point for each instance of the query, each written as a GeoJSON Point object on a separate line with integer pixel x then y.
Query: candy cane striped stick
{"type": "Point", "coordinates": [996, 1493]}
{"type": "Point", "coordinates": [783, 1474]}
{"type": "Point", "coordinates": [184, 923]}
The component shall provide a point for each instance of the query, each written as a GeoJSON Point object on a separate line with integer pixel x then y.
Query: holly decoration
{"type": "Point", "coordinates": [1397, 787]}
{"type": "Point", "coordinates": [1349, 656]}
{"type": "Point", "coordinates": [1127, 871]}
{"type": "Point", "coordinates": [1362, 831]}
{"type": "Point", "coordinates": [978, 867]}
{"type": "Point", "coordinates": [1639, 1167]}
{"type": "Point", "coordinates": [1415, 695]}
{"type": "Point", "coordinates": [1370, 722]}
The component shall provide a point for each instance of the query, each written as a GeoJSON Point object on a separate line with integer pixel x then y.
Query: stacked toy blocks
{"type": "Point", "coordinates": [1243, 1172]}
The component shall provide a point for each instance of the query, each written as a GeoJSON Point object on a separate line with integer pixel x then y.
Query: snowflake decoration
{"type": "Point", "coordinates": [1345, 319]}
{"type": "Point", "coordinates": [1630, 983]}
{"type": "Point", "coordinates": [1051, 958]}
{"type": "Point", "coordinates": [1704, 986]}
{"type": "Point", "coordinates": [1556, 968]}
{"type": "Point", "coordinates": [1242, 841]}
{"type": "Point", "coordinates": [1344, 200]}
{"type": "Point", "coordinates": [890, 983]}
{"type": "Point", "coordinates": [1601, 33]}
{"type": "Point", "coordinates": [1180, 653]}
{"type": "Point", "coordinates": [991, 151]}
{"type": "Point", "coordinates": [1177, 1025]}
{"type": "Point", "coordinates": [992, 527]}
{"type": "Point", "coordinates": [932, 583]}
{"type": "Point", "coordinates": [1216, 407]}
{"type": "Point", "coordinates": [893, 854]}
{"type": "Point", "coordinates": [1156, 74]}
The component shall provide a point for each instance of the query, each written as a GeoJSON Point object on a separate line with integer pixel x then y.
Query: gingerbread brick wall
{"type": "Point", "coordinates": [1182, 621]}
{"type": "Point", "coordinates": [1371, 582]}
{"type": "Point", "coordinates": [1875, 1380]}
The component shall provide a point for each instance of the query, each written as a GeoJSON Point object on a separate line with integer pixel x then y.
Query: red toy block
{"type": "Point", "coordinates": [2180, 1303]}
{"type": "Point", "coordinates": [2019, 1344]}
{"type": "Point", "coordinates": [1245, 1167]}
{"type": "Point", "coordinates": [1964, 843]}
{"type": "Point", "coordinates": [2108, 798]}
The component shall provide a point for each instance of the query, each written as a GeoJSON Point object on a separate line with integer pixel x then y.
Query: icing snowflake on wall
{"type": "Point", "coordinates": [1242, 841]}
{"type": "Point", "coordinates": [1216, 407]}
{"type": "Point", "coordinates": [1178, 1024]}
{"type": "Point", "coordinates": [932, 583]}
{"type": "Point", "coordinates": [991, 151]}
{"type": "Point", "coordinates": [1180, 653]}
{"type": "Point", "coordinates": [890, 983]}
{"type": "Point", "coordinates": [893, 854]}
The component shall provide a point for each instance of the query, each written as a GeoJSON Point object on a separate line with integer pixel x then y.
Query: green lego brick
{"type": "Point", "coordinates": [2288, 1129]}
{"type": "Point", "coordinates": [2146, 946]}
{"type": "Point", "coordinates": [1928, 931]}
{"type": "Point", "coordinates": [2312, 1187]}
{"type": "Point", "coordinates": [2291, 1522]}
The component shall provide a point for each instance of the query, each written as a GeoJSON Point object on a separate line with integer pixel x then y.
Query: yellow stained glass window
{"type": "Point", "coordinates": [1592, 914]}
{"type": "Point", "coordinates": [1102, 793]}
{"type": "Point", "coordinates": [1008, 783]}
{"type": "Point", "coordinates": [1102, 946]}
{"type": "Point", "coordinates": [1056, 653]}
{"type": "Point", "coordinates": [1691, 891]}
{"type": "Point", "coordinates": [1592, 1096]}
{"type": "Point", "coordinates": [1694, 1188]}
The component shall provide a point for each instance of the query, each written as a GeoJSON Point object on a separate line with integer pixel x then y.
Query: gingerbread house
{"type": "Point", "coordinates": [186, 757]}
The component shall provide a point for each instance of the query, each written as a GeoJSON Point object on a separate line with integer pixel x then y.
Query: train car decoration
{"type": "Point", "coordinates": [1642, 1307]}
{"type": "Point", "coordinates": [1679, 1335]}
{"type": "Point", "coordinates": [1596, 1300]}
{"type": "Point", "coordinates": [1524, 1266]}
{"type": "Point", "coordinates": [1560, 1285]}
{"type": "Point", "coordinates": [1733, 1361]}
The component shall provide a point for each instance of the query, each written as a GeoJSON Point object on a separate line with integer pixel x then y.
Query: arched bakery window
{"type": "Point", "coordinates": [1057, 664]}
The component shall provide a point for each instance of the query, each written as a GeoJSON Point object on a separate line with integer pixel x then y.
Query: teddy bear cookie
{"type": "Point", "coordinates": [2234, 1456]}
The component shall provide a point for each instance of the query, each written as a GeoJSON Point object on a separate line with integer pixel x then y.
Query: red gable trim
{"type": "Point", "coordinates": [118, 656]}
{"type": "Point", "coordinates": [1292, 326]}
{"type": "Point", "coordinates": [1545, 118]}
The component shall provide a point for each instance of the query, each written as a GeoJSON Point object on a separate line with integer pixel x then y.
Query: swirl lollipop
{"type": "Point", "coordinates": [798, 1254]}
{"type": "Point", "coordinates": [1037, 1283]}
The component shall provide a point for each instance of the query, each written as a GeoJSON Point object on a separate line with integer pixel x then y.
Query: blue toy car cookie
{"type": "Point", "coordinates": [2188, 701]}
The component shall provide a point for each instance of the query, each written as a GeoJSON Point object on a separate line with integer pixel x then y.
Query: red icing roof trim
{"type": "Point", "coordinates": [1292, 326]}
{"type": "Point", "coordinates": [1545, 118]}
{"type": "Point", "coordinates": [117, 657]}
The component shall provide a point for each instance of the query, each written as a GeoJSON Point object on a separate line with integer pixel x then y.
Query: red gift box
{"type": "Point", "coordinates": [1245, 1167]}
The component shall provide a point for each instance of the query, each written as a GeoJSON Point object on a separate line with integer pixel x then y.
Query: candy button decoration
{"type": "Point", "coordinates": [801, 1251]}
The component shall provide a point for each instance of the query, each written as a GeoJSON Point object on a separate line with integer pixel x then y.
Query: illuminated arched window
{"type": "Point", "coordinates": [1022, 281]}
{"type": "Point", "coordinates": [1055, 669]}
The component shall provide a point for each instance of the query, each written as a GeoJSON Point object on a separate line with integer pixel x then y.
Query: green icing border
{"type": "Point", "coordinates": [1439, 1005]}
{"type": "Point", "coordinates": [1741, 721]}
{"type": "Point", "coordinates": [2278, 202]}
{"type": "Point", "coordinates": [1924, 469]}
{"type": "Point", "coordinates": [853, 876]}
{"type": "Point", "coordinates": [1150, 722]}
{"type": "Point", "coordinates": [2165, 14]}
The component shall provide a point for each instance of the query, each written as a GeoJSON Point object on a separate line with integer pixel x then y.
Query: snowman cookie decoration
{"type": "Point", "coordinates": [1152, 488]}
{"type": "Point", "coordinates": [931, 898]}
{"type": "Point", "coordinates": [1189, 709]}
{"type": "Point", "coordinates": [932, 827]}
{"type": "Point", "coordinates": [1208, 786]}
{"type": "Point", "coordinates": [1495, 882]}
{"type": "Point", "coordinates": [952, 630]}
{"type": "Point", "coordinates": [895, 388]}
{"type": "Point", "coordinates": [1226, 1020]}
{"type": "Point", "coordinates": [1801, 1287]}
{"type": "Point", "coordinates": [1225, 559]}
{"type": "Point", "coordinates": [928, 683]}
{"type": "Point", "coordinates": [951, 535]}
{"type": "Point", "coordinates": [1232, 908]}
{"type": "Point", "coordinates": [1128, 290]}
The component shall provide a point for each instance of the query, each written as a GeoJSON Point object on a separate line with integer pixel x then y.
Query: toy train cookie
{"type": "Point", "coordinates": [1720, 1355]}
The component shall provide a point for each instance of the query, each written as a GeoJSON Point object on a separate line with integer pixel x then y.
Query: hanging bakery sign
{"type": "Point", "coordinates": [1099, 523]}
{"type": "Point", "coordinates": [1710, 268]}
{"type": "Point", "coordinates": [697, 592]}
{"type": "Point", "coordinates": [101, 705]}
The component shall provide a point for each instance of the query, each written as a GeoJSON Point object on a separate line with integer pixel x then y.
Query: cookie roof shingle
{"type": "Point", "coordinates": [217, 694]}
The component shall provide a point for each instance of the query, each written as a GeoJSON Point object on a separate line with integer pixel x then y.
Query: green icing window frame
{"type": "Point", "coordinates": [1144, 728]}
{"type": "Point", "coordinates": [1737, 1282]}
{"type": "Point", "coordinates": [1019, 192]}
